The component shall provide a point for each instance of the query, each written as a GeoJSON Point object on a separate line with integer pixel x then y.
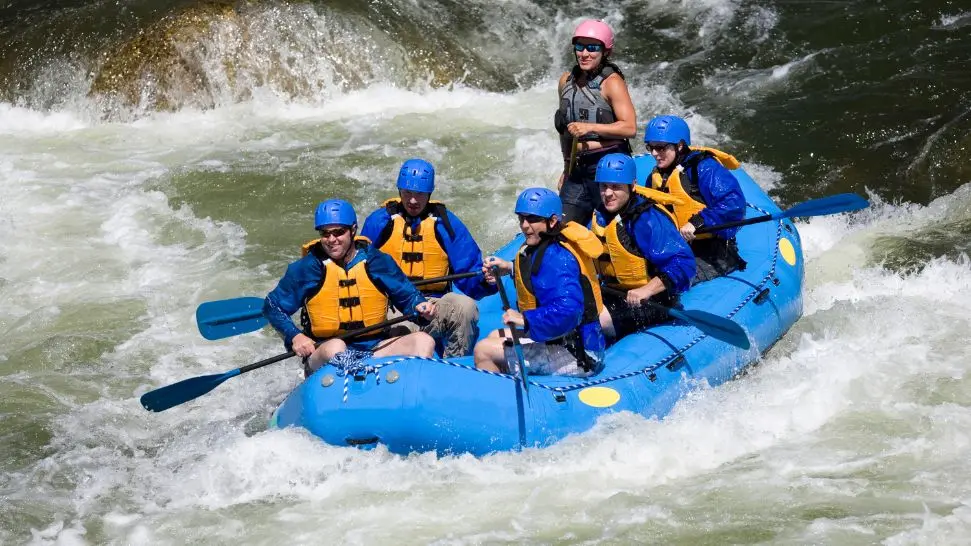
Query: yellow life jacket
{"type": "Point", "coordinates": [690, 201]}
{"type": "Point", "coordinates": [623, 265]}
{"type": "Point", "coordinates": [585, 247]}
{"type": "Point", "coordinates": [347, 300]}
{"type": "Point", "coordinates": [419, 254]}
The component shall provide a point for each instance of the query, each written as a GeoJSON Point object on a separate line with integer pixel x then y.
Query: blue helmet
{"type": "Point", "coordinates": [539, 202]}
{"type": "Point", "coordinates": [670, 129]}
{"type": "Point", "coordinates": [334, 212]}
{"type": "Point", "coordinates": [417, 175]}
{"type": "Point", "coordinates": [616, 169]}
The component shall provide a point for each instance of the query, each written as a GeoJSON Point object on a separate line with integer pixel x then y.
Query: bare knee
{"type": "Point", "coordinates": [424, 344]}
{"type": "Point", "coordinates": [607, 323]}
{"type": "Point", "coordinates": [488, 353]}
{"type": "Point", "coordinates": [324, 352]}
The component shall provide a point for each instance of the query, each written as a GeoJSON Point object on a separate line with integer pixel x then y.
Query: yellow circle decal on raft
{"type": "Point", "coordinates": [599, 397]}
{"type": "Point", "coordinates": [787, 250]}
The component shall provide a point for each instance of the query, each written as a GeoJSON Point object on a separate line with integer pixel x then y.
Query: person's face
{"type": "Point", "coordinates": [588, 60]}
{"type": "Point", "coordinates": [614, 196]}
{"type": "Point", "coordinates": [336, 240]}
{"type": "Point", "coordinates": [663, 152]}
{"type": "Point", "coordinates": [532, 226]}
{"type": "Point", "coordinates": [414, 201]}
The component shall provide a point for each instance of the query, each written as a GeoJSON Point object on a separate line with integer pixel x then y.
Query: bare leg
{"type": "Point", "coordinates": [416, 344]}
{"type": "Point", "coordinates": [490, 353]}
{"type": "Point", "coordinates": [325, 351]}
{"type": "Point", "coordinates": [607, 323]}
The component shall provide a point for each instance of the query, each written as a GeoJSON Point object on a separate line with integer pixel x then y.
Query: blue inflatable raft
{"type": "Point", "coordinates": [415, 404]}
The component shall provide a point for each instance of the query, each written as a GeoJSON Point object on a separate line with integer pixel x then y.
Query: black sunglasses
{"type": "Point", "coordinates": [336, 232]}
{"type": "Point", "coordinates": [592, 48]}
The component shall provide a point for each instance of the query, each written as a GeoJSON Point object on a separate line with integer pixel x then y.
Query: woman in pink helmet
{"type": "Point", "coordinates": [596, 115]}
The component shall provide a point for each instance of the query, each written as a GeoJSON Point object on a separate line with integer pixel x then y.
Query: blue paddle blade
{"type": "Point", "coordinates": [177, 393]}
{"type": "Point", "coordinates": [227, 318]}
{"type": "Point", "coordinates": [833, 204]}
{"type": "Point", "coordinates": [715, 326]}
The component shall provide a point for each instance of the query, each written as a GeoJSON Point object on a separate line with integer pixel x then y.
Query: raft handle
{"type": "Point", "coordinates": [361, 441]}
{"type": "Point", "coordinates": [559, 397]}
{"type": "Point", "coordinates": [763, 295]}
{"type": "Point", "coordinates": [776, 281]}
{"type": "Point", "coordinates": [651, 376]}
{"type": "Point", "coordinates": [676, 363]}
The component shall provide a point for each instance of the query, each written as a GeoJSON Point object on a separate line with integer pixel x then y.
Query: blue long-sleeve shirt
{"type": "Point", "coordinates": [557, 289]}
{"type": "Point", "coordinates": [722, 193]}
{"type": "Point", "coordinates": [305, 276]}
{"type": "Point", "coordinates": [661, 243]}
{"type": "Point", "coordinates": [463, 253]}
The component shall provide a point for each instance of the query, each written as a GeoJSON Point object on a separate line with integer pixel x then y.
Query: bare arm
{"type": "Point", "coordinates": [614, 90]}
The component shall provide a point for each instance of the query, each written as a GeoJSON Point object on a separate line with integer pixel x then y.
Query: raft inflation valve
{"type": "Point", "coordinates": [392, 376]}
{"type": "Point", "coordinates": [327, 380]}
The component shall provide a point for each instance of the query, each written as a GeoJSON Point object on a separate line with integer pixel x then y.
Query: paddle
{"type": "Point", "coordinates": [518, 347]}
{"type": "Point", "coordinates": [833, 204]}
{"type": "Point", "coordinates": [164, 398]}
{"type": "Point", "coordinates": [226, 318]}
{"type": "Point", "coordinates": [573, 156]}
{"type": "Point", "coordinates": [713, 325]}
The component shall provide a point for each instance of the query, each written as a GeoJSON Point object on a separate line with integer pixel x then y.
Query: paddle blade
{"type": "Point", "coordinates": [715, 326]}
{"type": "Point", "coordinates": [833, 204]}
{"type": "Point", "coordinates": [227, 318]}
{"type": "Point", "coordinates": [179, 393]}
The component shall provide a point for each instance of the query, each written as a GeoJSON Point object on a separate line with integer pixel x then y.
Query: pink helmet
{"type": "Point", "coordinates": [598, 30]}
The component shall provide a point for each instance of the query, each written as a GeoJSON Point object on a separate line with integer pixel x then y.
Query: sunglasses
{"type": "Point", "coordinates": [530, 218]}
{"type": "Point", "coordinates": [658, 147]}
{"type": "Point", "coordinates": [592, 48]}
{"type": "Point", "coordinates": [336, 232]}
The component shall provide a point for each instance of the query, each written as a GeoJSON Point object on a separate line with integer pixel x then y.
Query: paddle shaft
{"type": "Point", "coordinates": [737, 223]}
{"type": "Point", "coordinates": [517, 346]}
{"type": "Point", "coordinates": [347, 335]}
{"type": "Point", "coordinates": [831, 204]}
{"type": "Point", "coordinates": [623, 294]}
{"type": "Point", "coordinates": [446, 278]}
{"type": "Point", "coordinates": [251, 313]}
{"type": "Point", "coordinates": [573, 156]}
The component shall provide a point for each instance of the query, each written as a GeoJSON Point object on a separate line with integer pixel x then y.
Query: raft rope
{"type": "Point", "coordinates": [352, 362]}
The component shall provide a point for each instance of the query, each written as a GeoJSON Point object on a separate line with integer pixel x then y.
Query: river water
{"type": "Point", "coordinates": [157, 155]}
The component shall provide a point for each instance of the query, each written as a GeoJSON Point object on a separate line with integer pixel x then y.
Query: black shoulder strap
{"type": "Point", "coordinates": [540, 252]}
{"type": "Point", "coordinates": [442, 214]}
{"type": "Point", "coordinates": [633, 212]}
{"type": "Point", "coordinates": [611, 68]}
{"type": "Point", "coordinates": [385, 234]}
{"type": "Point", "coordinates": [691, 171]}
